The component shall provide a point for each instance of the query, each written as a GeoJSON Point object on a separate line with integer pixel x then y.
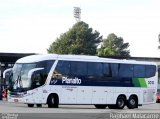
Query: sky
{"type": "Point", "coordinates": [30, 26]}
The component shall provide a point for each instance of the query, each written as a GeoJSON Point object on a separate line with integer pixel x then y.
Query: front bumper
{"type": "Point", "coordinates": [16, 100]}
{"type": "Point", "coordinates": [20, 97]}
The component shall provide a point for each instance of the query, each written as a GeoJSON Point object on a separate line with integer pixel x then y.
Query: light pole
{"type": "Point", "coordinates": [77, 13]}
{"type": "Point", "coordinates": [159, 40]}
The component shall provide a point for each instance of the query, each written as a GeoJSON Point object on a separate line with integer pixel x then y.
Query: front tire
{"type": "Point", "coordinates": [100, 106]}
{"type": "Point", "coordinates": [53, 101]}
{"type": "Point", "coordinates": [132, 102]}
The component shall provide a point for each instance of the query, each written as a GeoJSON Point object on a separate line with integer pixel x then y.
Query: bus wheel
{"type": "Point", "coordinates": [53, 101]}
{"type": "Point", "coordinates": [30, 105]}
{"type": "Point", "coordinates": [39, 105]}
{"type": "Point", "coordinates": [132, 102]}
{"type": "Point", "coordinates": [100, 106]}
{"type": "Point", "coordinates": [121, 102]}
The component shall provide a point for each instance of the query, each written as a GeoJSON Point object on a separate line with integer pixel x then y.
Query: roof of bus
{"type": "Point", "coordinates": [37, 58]}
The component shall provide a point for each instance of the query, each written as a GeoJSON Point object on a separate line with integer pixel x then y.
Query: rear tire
{"type": "Point", "coordinates": [132, 102]}
{"type": "Point", "coordinates": [100, 106]}
{"type": "Point", "coordinates": [30, 105]}
{"type": "Point", "coordinates": [53, 101]}
{"type": "Point", "coordinates": [121, 102]}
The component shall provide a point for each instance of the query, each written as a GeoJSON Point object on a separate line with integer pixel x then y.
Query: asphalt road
{"type": "Point", "coordinates": [21, 111]}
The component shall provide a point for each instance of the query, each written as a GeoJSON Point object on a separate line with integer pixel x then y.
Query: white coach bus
{"type": "Point", "coordinates": [76, 79]}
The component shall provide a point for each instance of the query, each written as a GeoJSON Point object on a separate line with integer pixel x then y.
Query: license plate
{"type": "Point", "coordinates": [15, 100]}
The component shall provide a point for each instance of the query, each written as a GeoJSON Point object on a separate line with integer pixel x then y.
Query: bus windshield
{"type": "Point", "coordinates": [20, 75]}
{"type": "Point", "coordinates": [20, 79]}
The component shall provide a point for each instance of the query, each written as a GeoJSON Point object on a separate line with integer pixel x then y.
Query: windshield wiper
{"type": "Point", "coordinates": [19, 81]}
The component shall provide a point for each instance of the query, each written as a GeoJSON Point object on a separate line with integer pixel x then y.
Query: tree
{"type": "Point", "coordinates": [114, 46]}
{"type": "Point", "coordinates": [80, 39]}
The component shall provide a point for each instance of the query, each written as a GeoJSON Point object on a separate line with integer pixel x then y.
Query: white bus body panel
{"type": "Point", "coordinates": [84, 95]}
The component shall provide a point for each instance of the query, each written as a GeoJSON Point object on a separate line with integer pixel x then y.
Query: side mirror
{"type": "Point", "coordinates": [7, 74]}
{"type": "Point", "coordinates": [32, 71]}
{"type": "Point", "coordinates": [6, 71]}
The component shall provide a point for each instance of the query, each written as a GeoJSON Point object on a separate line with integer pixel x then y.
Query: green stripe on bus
{"type": "Point", "coordinates": [139, 82]}
{"type": "Point", "coordinates": [135, 82]}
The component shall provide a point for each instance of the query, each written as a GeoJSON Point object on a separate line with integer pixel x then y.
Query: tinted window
{"type": "Point", "coordinates": [106, 70]}
{"type": "Point", "coordinates": [139, 71]}
{"type": "Point", "coordinates": [40, 76]}
{"type": "Point", "coordinates": [95, 69]}
{"type": "Point", "coordinates": [78, 68]}
{"type": "Point", "coordinates": [49, 65]}
{"type": "Point", "coordinates": [114, 70]}
{"type": "Point", "coordinates": [126, 70]}
{"type": "Point", "coordinates": [63, 67]}
{"type": "Point", "coordinates": [41, 64]}
{"type": "Point", "coordinates": [46, 65]}
{"type": "Point", "coordinates": [150, 70]}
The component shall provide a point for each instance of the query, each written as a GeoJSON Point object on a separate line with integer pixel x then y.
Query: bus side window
{"type": "Point", "coordinates": [78, 68]}
{"type": "Point", "coordinates": [107, 70]}
{"type": "Point", "coordinates": [150, 71]}
{"type": "Point", "coordinates": [126, 70]}
{"type": "Point", "coordinates": [49, 65]}
{"type": "Point", "coordinates": [62, 69]}
{"type": "Point", "coordinates": [36, 78]}
{"type": "Point", "coordinates": [115, 69]}
{"type": "Point", "coordinates": [95, 69]}
{"type": "Point", "coordinates": [139, 71]}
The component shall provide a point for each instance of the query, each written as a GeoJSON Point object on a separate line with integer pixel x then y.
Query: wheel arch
{"type": "Point", "coordinates": [122, 95]}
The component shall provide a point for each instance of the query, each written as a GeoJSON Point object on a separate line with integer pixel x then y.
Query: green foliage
{"type": "Point", "coordinates": [80, 39]}
{"type": "Point", "coordinates": [114, 46]}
